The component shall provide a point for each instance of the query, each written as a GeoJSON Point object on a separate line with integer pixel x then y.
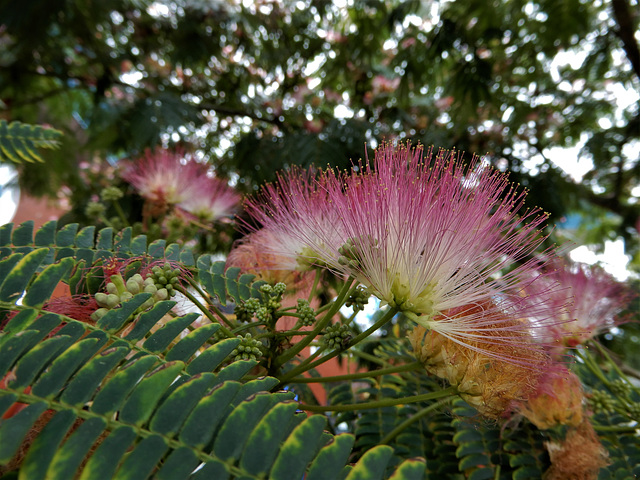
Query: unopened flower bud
{"type": "Point", "coordinates": [133, 286]}
{"type": "Point", "coordinates": [112, 300]}
{"type": "Point", "coordinates": [98, 314]}
{"type": "Point", "coordinates": [111, 193]}
{"type": "Point", "coordinates": [94, 210]}
{"type": "Point", "coordinates": [162, 294]}
{"type": "Point", "coordinates": [101, 299]}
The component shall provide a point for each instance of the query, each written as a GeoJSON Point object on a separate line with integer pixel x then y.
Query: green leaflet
{"type": "Point", "coordinates": [331, 458]}
{"type": "Point", "coordinates": [264, 441]}
{"type": "Point", "coordinates": [296, 452]}
{"type": "Point", "coordinates": [44, 447]}
{"type": "Point", "coordinates": [372, 464]}
{"type": "Point", "coordinates": [14, 284]}
{"type": "Point", "coordinates": [170, 416]}
{"type": "Point", "coordinates": [19, 142]}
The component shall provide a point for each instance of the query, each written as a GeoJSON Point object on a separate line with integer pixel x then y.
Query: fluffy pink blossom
{"type": "Point", "coordinates": [423, 236]}
{"type": "Point", "coordinates": [595, 301]}
{"type": "Point", "coordinates": [210, 199]}
{"type": "Point", "coordinates": [167, 178]}
{"type": "Point", "coordinates": [163, 177]}
{"type": "Point", "coordinates": [298, 213]}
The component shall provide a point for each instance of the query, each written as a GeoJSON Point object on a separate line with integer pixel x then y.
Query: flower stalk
{"type": "Point", "coordinates": [389, 402]}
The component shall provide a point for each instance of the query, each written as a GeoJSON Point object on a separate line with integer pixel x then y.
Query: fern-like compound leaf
{"type": "Point", "coordinates": [19, 142]}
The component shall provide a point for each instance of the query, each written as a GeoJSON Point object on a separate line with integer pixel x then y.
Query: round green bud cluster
{"type": "Point", "coordinates": [273, 295]}
{"type": "Point", "coordinates": [348, 254]}
{"type": "Point", "coordinates": [634, 411]}
{"type": "Point", "coordinates": [307, 314]}
{"type": "Point", "coordinates": [94, 209]}
{"type": "Point", "coordinates": [249, 349]}
{"type": "Point", "coordinates": [601, 402]}
{"type": "Point", "coordinates": [263, 314]}
{"type": "Point", "coordinates": [358, 300]}
{"type": "Point", "coordinates": [165, 277]}
{"type": "Point", "coordinates": [620, 388]}
{"type": "Point", "coordinates": [246, 310]}
{"type": "Point", "coordinates": [118, 291]}
{"type": "Point", "coordinates": [337, 336]}
{"type": "Point", "coordinates": [110, 194]}
{"type": "Point", "coordinates": [271, 301]}
{"type": "Point", "coordinates": [219, 336]}
{"type": "Point", "coordinates": [351, 251]}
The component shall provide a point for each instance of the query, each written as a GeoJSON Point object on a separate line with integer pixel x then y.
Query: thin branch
{"type": "Point", "coordinates": [387, 402]}
{"type": "Point", "coordinates": [626, 32]}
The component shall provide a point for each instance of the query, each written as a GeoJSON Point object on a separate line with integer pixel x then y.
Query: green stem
{"type": "Point", "coordinates": [303, 368]}
{"type": "Point", "coordinates": [613, 428]}
{"type": "Point", "coordinates": [593, 366]}
{"type": "Point", "coordinates": [408, 367]}
{"type": "Point", "coordinates": [414, 418]}
{"type": "Point", "coordinates": [211, 306]}
{"type": "Point", "coordinates": [369, 357]}
{"type": "Point", "coordinates": [316, 280]}
{"type": "Point", "coordinates": [320, 325]}
{"type": "Point", "coordinates": [105, 220]}
{"type": "Point", "coordinates": [615, 366]}
{"type": "Point", "coordinates": [311, 357]}
{"type": "Point", "coordinates": [120, 212]}
{"type": "Point", "coordinates": [388, 402]}
{"type": "Point", "coordinates": [205, 310]}
{"type": "Point", "coordinates": [202, 225]}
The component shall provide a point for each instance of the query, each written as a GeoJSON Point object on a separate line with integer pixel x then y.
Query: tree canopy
{"type": "Point", "coordinates": [257, 86]}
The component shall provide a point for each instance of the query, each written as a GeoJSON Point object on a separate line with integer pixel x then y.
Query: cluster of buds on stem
{"type": "Point", "coordinates": [337, 336]}
{"type": "Point", "coordinates": [165, 277]}
{"type": "Point", "coordinates": [358, 300]}
{"type": "Point", "coordinates": [623, 400]}
{"type": "Point", "coordinates": [307, 314]}
{"type": "Point", "coordinates": [263, 310]}
{"type": "Point", "coordinates": [159, 282]}
{"type": "Point", "coordinates": [249, 348]}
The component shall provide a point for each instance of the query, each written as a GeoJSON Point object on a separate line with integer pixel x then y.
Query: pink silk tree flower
{"type": "Point", "coordinates": [299, 217]}
{"type": "Point", "coordinates": [594, 299]}
{"type": "Point", "coordinates": [424, 236]}
{"type": "Point", "coordinates": [210, 199]}
{"type": "Point", "coordinates": [163, 177]}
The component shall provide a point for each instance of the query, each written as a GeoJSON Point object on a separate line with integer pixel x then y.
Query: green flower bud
{"type": "Point", "coordinates": [133, 286]}
{"type": "Point", "coordinates": [337, 336]}
{"type": "Point", "coordinates": [124, 296]}
{"type": "Point", "coordinates": [101, 299]}
{"type": "Point", "coordinates": [161, 294]}
{"type": "Point", "coordinates": [94, 210]}
{"type": "Point", "coordinates": [98, 314]}
{"type": "Point", "coordinates": [110, 194]}
{"type": "Point", "coordinates": [112, 301]}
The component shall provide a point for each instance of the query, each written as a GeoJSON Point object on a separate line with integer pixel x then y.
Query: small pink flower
{"type": "Point", "coordinates": [163, 177]}
{"type": "Point", "coordinates": [298, 214]}
{"type": "Point", "coordinates": [210, 199]}
{"type": "Point", "coordinates": [424, 236]}
{"type": "Point", "coordinates": [594, 300]}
